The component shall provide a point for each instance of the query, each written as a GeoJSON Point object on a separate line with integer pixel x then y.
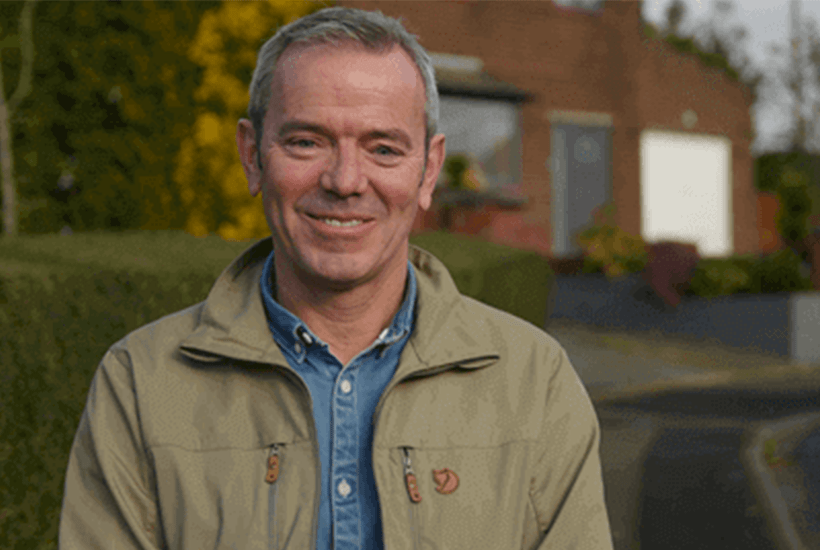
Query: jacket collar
{"type": "Point", "coordinates": [233, 323]}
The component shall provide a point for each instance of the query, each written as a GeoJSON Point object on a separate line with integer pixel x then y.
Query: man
{"type": "Point", "coordinates": [335, 390]}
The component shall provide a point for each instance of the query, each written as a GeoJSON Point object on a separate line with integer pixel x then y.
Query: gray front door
{"type": "Point", "coordinates": [581, 181]}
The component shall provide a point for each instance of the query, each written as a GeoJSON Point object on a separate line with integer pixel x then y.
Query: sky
{"type": "Point", "coordinates": [767, 22]}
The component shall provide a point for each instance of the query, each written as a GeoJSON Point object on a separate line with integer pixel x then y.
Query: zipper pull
{"type": "Point", "coordinates": [273, 464]}
{"type": "Point", "coordinates": [410, 478]}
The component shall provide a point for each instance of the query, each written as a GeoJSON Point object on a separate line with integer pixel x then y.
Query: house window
{"type": "Point", "coordinates": [487, 130]}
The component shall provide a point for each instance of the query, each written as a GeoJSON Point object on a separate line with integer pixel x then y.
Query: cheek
{"type": "Point", "coordinates": [404, 192]}
{"type": "Point", "coordinates": [288, 182]}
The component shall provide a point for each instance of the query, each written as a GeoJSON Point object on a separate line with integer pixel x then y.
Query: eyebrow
{"type": "Point", "coordinates": [393, 134]}
{"type": "Point", "coordinates": [299, 126]}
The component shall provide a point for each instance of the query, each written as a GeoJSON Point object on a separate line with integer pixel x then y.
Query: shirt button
{"type": "Point", "coordinates": [343, 488]}
{"type": "Point", "coordinates": [297, 347]}
{"type": "Point", "coordinates": [346, 386]}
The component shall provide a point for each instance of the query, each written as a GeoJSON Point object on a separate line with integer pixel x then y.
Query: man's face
{"type": "Point", "coordinates": [343, 164]}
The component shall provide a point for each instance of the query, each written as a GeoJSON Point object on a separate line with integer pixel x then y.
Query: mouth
{"type": "Point", "coordinates": [347, 221]}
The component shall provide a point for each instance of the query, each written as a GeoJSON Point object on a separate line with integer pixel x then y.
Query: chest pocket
{"type": "Point", "coordinates": [469, 438]}
{"type": "Point", "coordinates": [458, 498]}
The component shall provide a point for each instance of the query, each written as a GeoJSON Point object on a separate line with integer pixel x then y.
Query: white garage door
{"type": "Point", "coordinates": [686, 190]}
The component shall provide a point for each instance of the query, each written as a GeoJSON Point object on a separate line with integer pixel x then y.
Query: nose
{"type": "Point", "coordinates": [344, 176]}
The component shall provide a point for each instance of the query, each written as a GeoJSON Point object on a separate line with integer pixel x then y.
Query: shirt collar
{"type": "Point", "coordinates": [295, 337]}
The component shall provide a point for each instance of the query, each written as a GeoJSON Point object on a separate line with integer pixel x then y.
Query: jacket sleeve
{"type": "Point", "coordinates": [567, 489]}
{"type": "Point", "coordinates": [109, 499]}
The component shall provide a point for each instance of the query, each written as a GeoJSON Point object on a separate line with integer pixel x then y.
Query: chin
{"type": "Point", "coordinates": [341, 269]}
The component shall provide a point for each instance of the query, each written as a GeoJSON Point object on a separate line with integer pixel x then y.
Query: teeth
{"type": "Point", "coordinates": [337, 223]}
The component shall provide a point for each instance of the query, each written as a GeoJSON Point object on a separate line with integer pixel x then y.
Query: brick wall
{"type": "Point", "coordinates": [600, 62]}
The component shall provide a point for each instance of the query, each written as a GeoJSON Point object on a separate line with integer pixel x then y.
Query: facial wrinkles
{"type": "Point", "coordinates": [327, 205]}
{"type": "Point", "coordinates": [345, 116]}
{"type": "Point", "coordinates": [358, 80]}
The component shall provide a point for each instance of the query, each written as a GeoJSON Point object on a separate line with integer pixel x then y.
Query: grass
{"type": "Point", "coordinates": [773, 457]}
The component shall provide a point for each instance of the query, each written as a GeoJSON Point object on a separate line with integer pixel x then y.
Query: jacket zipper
{"type": "Point", "coordinates": [271, 477]}
{"type": "Point", "coordinates": [410, 478]}
{"type": "Point", "coordinates": [414, 494]}
{"type": "Point", "coordinates": [295, 378]}
{"type": "Point", "coordinates": [407, 466]}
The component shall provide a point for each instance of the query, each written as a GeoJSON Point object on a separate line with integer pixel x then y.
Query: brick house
{"type": "Point", "coordinates": [571, 108]}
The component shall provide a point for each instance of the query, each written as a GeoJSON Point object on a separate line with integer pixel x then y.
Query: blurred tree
{"type": "Point", "coordinates": [716, 42]}
{"type": "Point", "coordinates": [208, 171]}
{"type": "Point", "coordinates": [729, 42]}
{"type": "Point", "coordinates": [675, 12]}
{"type": "Point", "coordinates": [797, 71]}
{"type": "Point", "coordinates": [110, 105]}
{"type": "Point", "coordinates": [25, 42]}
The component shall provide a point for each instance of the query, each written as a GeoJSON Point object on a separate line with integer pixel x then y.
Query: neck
{"type": "Point", "coordinates": [347, 320]}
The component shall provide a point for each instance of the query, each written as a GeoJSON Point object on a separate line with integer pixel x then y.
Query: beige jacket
{"type": "Point", "coordinates": [183, 415]}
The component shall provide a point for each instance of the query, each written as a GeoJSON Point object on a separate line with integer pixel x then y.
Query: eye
{"type": "Point", "coordinates": [303, 143]}
{"type": "Point", "coordinates": [385, 151]}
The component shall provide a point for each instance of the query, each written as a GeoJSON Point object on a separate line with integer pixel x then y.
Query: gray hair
{"type": "Point", "coordinates": [371, 29]}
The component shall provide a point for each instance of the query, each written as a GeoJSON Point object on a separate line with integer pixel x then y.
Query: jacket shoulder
{"type": "Point", "coordinates": [159, 338]}
{"type": "Point", "coordinates": [509, 332]}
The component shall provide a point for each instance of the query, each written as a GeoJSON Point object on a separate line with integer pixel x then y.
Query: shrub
{"type": "Point", "coordinates": [464, 172]}
{"type": "Point", "coordinates": [609, 248]}
{"type": "Point", "coordinates": [670, 268]}
{"type": "Point", "coordinates": [717, 277]}
{"type": "Point", "coordinates": [46, 374]}
{"type": "Point", "coordinates": [795, 206]}
{"type": "Point", "coordinates": [778, 272]}
{"type": "Point", "coordinates": [454, 168]}
{"type": "Point", "coordinates": [516, 281]}
{"type": "Point", "coordinates": [63, 302]}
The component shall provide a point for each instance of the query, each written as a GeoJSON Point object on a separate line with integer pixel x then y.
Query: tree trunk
{"type": "Point", "coordinates": [813, 248]}
{"type": "Point", "coordinates": [7, 168]}
{"type": "Point", "coordinates": [26, 43]}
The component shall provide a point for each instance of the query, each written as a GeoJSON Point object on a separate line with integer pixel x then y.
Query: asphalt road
{"type": "Point", "coordinates": [673, 472]}
{"type": "Point", "coordinates": [672, 464]}
{"type": "Point", "coordinates": [807, 454]}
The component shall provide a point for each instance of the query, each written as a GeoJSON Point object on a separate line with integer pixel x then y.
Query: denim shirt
{"type": "Point", "coordinates": [344, 401]}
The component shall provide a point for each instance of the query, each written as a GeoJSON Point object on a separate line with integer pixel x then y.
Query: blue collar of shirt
{"type": "Point", "coordinates": [295, 337]}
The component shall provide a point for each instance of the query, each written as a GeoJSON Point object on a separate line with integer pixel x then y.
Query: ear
{"type": "Point", "coordinates": [246, 143]}
{"type": "Point", "coordinates": [435, 160]}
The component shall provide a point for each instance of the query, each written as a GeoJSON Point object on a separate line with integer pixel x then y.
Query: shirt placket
{"type": "Point", "coordinates": [345, 463]}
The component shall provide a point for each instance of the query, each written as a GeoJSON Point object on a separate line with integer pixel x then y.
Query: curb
{"type": "Point", "coordinates": [777, 511]}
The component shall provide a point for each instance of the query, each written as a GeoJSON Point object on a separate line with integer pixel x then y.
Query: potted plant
{"type": "Point", "coordinates": [463, 180]}
{"type": "Point", "coordinates": [609, 249]}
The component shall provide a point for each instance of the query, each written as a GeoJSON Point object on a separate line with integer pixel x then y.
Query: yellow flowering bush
{"type": "Point", "coordinates": [609, 248]}
{"type": "Point", "coordinates": [208, 172]}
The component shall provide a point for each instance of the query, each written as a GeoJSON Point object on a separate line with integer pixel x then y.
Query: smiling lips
{"type": "Point", "coordinates": [340, 221]}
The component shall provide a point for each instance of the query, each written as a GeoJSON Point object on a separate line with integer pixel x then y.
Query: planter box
{"type": "Point", "coordinates": [787, 324]}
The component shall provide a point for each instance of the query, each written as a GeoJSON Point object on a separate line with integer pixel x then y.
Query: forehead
{"type": "Point", "coordinates": [346, 75]}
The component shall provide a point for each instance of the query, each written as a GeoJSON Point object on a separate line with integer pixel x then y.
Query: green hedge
{"type": "Point", "coordinates": [749, 274]}
{"type": "Point", "coordinates": [65, 300]}
{"type": "Point", "coordinates": [54, 329]}
{"type": "Point", "coordinates": [516, 281]}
